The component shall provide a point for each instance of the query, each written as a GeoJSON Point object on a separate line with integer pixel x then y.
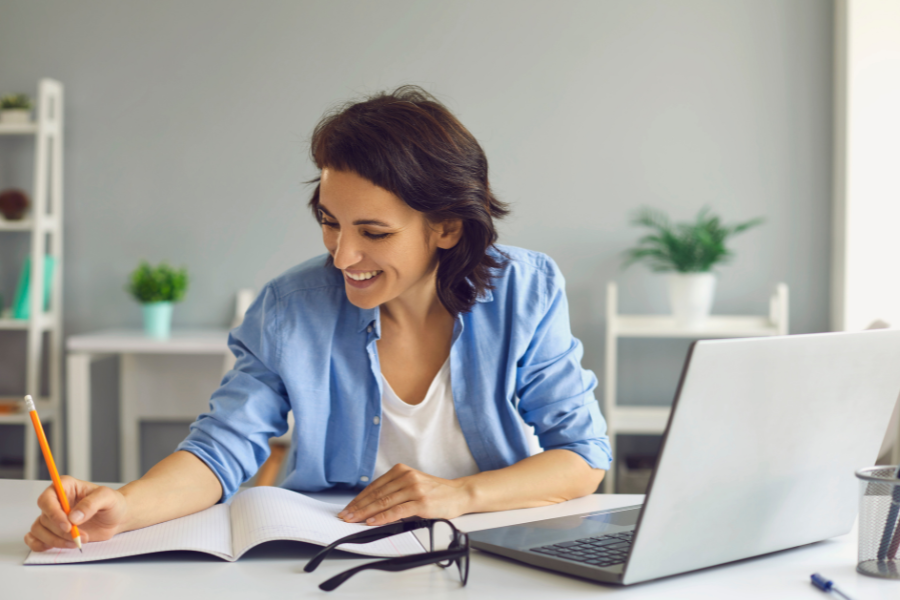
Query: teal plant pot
{"type": "Point", "coordinates": [157, 319]}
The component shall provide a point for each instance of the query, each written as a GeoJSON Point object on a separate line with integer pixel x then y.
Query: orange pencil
{"type": "Point", "coordinates": [51, 465]}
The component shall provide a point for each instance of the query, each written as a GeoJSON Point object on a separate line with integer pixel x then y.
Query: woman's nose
{"type": "Point", "coordinates": [346, 253]}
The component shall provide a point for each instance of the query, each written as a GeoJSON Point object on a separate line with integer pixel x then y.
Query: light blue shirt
{"type": "Point", "coordinates": [304, 347]}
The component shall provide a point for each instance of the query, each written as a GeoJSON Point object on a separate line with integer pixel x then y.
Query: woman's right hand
{"type": "Point", "coordinates": [98, 511]}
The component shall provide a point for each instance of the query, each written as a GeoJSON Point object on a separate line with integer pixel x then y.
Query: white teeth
{"type": "Point", "coordinates": [362, 276]}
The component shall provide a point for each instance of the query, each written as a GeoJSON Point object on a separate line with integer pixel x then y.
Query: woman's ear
{"type": "Point", "coordinates": [449, 233]}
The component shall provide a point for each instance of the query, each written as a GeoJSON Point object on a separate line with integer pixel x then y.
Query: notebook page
{"type": "Point", "coordinates": [267, 513]}
{"type": "Point", "coordinates": [206, 531]}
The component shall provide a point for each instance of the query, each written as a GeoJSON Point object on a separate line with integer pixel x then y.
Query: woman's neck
{"type": "Point", "coordinates": [418, 307]}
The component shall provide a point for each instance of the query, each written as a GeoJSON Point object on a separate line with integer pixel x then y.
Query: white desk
{"type": "Point", "coordinates": [159, 380]}
{"type": "Point", "coordinates": [276, 570]}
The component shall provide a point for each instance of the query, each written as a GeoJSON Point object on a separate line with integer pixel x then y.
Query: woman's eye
{"type": "Point", "coordinates": [326, 223]}
{"type": "Point", "coordinates": [375, 236]}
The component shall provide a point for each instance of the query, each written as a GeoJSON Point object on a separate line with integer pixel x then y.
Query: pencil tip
{"type": "Point", "coordinates": [77, 541]}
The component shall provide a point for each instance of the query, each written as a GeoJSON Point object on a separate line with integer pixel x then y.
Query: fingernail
{"type": "Point", "coordinates": [76, 516]}
{"type": "Point", "coordinates": [342, 513]}
{"type": "Point", "coordinates": [370, 520]}
{"type": "Point", "coordinates": [65, 526]}
{"type": "Point", "coordinates": [70, 544]}
{"type": "Point", "coordinates": [348, 516]}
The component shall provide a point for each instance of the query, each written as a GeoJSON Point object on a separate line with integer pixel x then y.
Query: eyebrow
{"type": "Point", "coordinates": [358, 221]}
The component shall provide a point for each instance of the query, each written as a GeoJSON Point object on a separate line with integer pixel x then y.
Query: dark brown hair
{"type": "Point", "coordinates": [410, 144]}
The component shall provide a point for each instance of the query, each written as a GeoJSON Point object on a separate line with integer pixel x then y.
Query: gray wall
{"type": "Point", "coordinates": [187, 129]}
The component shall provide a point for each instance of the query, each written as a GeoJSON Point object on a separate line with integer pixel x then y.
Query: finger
{"type": "Point", "coordinates": [400, 490]}
{"type": "Point", "coordinates": [395, 513]}
{"type": "Point", "coordinates": [34, 543]}
{"type": "Point", "coordinates": [97, 500]}
{"type": "Point", "coordinates": [49, 504]}
{"type": "Point", "coordinates": [370, 489]}
{"type": "Point", "coordinates": [59, 529]}
{"type": "Point", "coordinates": [48, 538]}
{"type": "Point", "coordinates": [365, 496]}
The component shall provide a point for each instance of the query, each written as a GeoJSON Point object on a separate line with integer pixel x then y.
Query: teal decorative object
{"type": "Point", "coordinates": [21, 308]}
{"type": "Point", "coordinates": [157, 319]}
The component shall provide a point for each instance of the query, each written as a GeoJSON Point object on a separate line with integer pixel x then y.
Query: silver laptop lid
{"type": "Point", "coordinates": [762, 445]}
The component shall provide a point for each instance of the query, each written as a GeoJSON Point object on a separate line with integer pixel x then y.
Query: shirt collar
{"type": "Point", "coordinates": [366, 317]}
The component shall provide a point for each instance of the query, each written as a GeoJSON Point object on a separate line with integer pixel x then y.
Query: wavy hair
{"type": "Point", "coordinates": [410, 144]}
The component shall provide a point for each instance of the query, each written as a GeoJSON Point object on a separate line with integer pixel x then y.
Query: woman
{"type": "Point", "coordinates": [410, 354]}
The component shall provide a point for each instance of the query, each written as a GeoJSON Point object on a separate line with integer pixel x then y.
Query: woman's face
{"type": "Point", "coordinates": [385, 249]}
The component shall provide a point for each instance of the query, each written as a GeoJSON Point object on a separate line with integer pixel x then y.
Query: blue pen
{"type": "Point", "coordinates": [826, 585]}
{"type": "Point", "coordinates": [893, 512]}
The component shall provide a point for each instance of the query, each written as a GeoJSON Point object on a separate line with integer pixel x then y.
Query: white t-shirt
{"type": "Point", "coordinates": [424, 436]}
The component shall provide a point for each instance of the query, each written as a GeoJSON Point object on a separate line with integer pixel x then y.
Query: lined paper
{"type": "Point", "coordinates": [263, 514]}
{"type": "Point", "coordinates": [206, 531]}
{"type": "Point", "coordinates": [255, 516]}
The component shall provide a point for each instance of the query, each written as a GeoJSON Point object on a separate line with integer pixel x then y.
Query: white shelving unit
{"type": "Point", "coordinates": [44, 222]}
{"type": "Point", "coordinates": [654, 419]}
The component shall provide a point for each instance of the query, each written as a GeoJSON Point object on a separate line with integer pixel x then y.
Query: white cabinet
{"type": "Point", "coordinates": [44, 222]}
{"type": "Point", "coordinates": [653, 419]}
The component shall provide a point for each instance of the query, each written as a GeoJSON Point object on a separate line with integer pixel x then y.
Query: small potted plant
{"type": "Point", "coordinates": [157, 288]}
{"type": "Point", "coordinates": [688, 251]}
{"type": "Point", "coordinates": [15, 108]}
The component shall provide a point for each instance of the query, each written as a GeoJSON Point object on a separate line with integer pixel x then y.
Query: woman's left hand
{"type": "Point", "coordinates": [405, 492]}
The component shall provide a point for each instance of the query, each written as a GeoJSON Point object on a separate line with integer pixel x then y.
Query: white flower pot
{"type": "Point", "coordinates": [15, 115]}
{"type": "Point", "coordinates": [691, 297]}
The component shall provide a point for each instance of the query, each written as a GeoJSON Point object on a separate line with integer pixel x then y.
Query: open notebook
{"type": "Point", "coordinates": [254, 516]}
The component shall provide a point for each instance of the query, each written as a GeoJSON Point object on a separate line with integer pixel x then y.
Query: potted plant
{"type": "Point", "coordinates": [15, 108]}
{"type": "Point", "coordinates": [157, 288]}
{"type": "Point", "coordinates": [688, 251]}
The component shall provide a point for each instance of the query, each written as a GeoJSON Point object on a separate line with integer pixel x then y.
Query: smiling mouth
{"type": "Point", "coordinates": [362, 276]}
{"type": "Point", "coordinates": [362, 279]}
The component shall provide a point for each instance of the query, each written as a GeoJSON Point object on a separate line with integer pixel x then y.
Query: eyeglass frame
{"type": "Point", "coordinates": [458, 549]}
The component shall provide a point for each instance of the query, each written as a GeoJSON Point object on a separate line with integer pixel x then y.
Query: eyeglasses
{"type": "Point", "coordinates": [447, 545]}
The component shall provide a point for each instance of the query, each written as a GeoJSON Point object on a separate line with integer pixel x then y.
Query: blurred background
{"type": "Point", "coordinates": [187, 127]}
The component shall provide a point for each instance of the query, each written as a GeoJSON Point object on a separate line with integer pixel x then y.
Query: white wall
{"type": "Point", "coordinates": [867, 163]}
{"type": "Point", "coordinates": [188, 121]}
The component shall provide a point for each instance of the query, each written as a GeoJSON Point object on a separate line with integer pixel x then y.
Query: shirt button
{"type": "Point", "coordinates": [369, 329]}
{"type": "Point", "coordinates": [363, 478]}
{"type": "Point", "coordinates": [376, 420]}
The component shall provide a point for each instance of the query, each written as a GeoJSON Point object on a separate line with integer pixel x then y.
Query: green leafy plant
{"type": "Point", "coordinates": [683, 247]}
{"type": "Point", "coordinates": [157, 284]}
{"type": "Point", "coordinates": [15, 102]}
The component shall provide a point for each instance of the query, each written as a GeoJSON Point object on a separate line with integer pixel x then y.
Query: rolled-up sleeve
{"type": "Point", "coordinates": [250, 406]}
{"type": "Point", "coordinates": [555, 392]}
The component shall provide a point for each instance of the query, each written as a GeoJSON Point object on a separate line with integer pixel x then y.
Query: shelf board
{"type": "Point", "coordinates": [664, 326]}
{"type": "Point", "coordinates": [639, 419]}
{"type": "Point", "coordinates": [44, 408]}
{"type": "Point", "coordinates": [45, 322]}
{"type": "Point", "coordinates": [23, 225]}
{"type": "Point", "coordinates": [18, 128]}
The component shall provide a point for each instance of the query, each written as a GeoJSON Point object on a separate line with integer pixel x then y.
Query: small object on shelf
{"type": "Point", "coordinates": [688, 251]}
{"type": "Point", "coordinates": [156, 288]}
{"type": "Point", "coordinates": [15, 108]}
{"type": "Point", "coordinates": [14, 204]}
{"type": "Point", "coordinates": [9, 406]}
{"type": "Point", "coordinates": [21, 308]}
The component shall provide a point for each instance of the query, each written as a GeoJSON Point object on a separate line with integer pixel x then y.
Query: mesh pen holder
{"type": "Point", "coordinates": [879, 522]}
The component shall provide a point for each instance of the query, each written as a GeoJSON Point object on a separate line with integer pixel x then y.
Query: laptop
{"type": "Point", "coordinates": [763, 440]}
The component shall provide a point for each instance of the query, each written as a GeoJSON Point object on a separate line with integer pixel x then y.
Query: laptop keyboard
{"type": "Point", "coordinates": [602, 551]}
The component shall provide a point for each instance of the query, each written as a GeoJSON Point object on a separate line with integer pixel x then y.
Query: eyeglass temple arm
{"type": "Point", "coordinates": [393, 565]}
{"type": "Point", "coordinates": [364, 537]}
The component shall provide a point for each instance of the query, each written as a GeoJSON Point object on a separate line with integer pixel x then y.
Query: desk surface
{"type": "Point", "coordinates": [134, 341]}
{"type": "Point", "coordinates": [275, 570]}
